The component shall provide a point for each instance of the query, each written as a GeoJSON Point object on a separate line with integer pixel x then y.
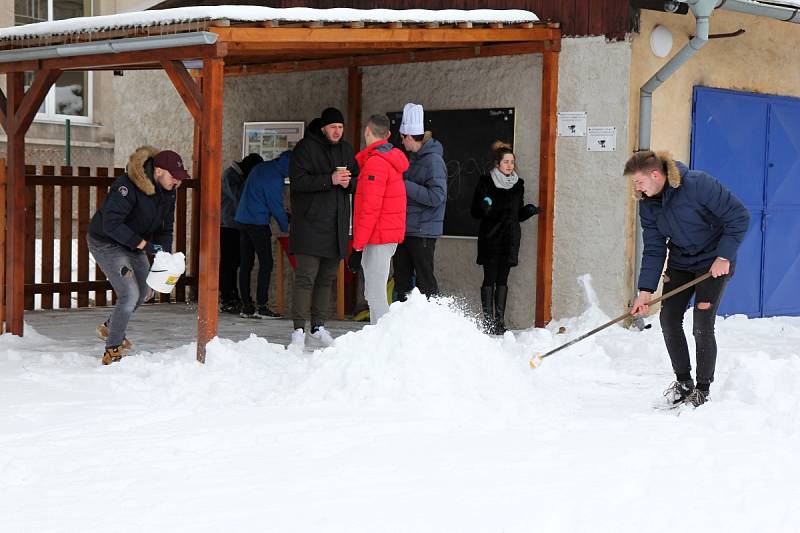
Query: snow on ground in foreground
{"type": "Point", "coordinates": [418, 424]}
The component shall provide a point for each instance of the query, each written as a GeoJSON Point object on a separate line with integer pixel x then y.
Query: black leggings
{"type": "Point", "coordinates": [495, 272]}
{"type": "Point", "coordinates": [255, 240]}
{"type": "Point", "coordinates": [672, 311]}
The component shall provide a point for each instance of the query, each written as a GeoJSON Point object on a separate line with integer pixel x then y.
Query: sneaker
{"type": "Point", "coordinates": [298, 340]}
{"type": "Point", "coordinates": [113, 354]}
{"type": "Point", "coordinates": [266, 312]}
{"type": "Point", "coordinates": [231, 306]}
{"type": "Point", "coordinates": [697, 398]}
{"type": "Point", "coordinates": [102, 333]}
{"type": "Point", "coordinates": [678, 391]}
{"type": "Point", "coordinates": [248, 311]}
{"type": "Point", "coordinates": [321, 335]}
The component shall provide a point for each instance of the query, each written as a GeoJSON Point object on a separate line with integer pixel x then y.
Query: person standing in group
{"type": "Point", "coordinates": [702, 224]}
{"type": "Point", "coordinates": [262, 199]}
{"type": "Point", "coordinates": [379, 212]}
{"type": "Point", "coordinates": [321, 171]}
{"type": "Point", "coordinates": [233, 180]}
{"type": "Point", "coordinates": [498, 203]}
{"type": "Point", "coordinates": [426, 191]}
{"type": "Point", "coordinates": [136, 219]}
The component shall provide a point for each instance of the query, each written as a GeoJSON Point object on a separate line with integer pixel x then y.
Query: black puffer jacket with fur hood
{"type": "Point", "coordinates": [137, 208]}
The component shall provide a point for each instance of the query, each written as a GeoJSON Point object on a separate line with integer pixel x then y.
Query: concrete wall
{"type": "Point", "coordinates": [591, 204]}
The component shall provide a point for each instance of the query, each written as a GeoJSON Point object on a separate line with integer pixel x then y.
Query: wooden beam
{"type": "Point", "coordinates": [3, 106]}
{"type": "Point", "coordinates": [185, 85]}
{"type": "Point", "coordinates": [210, 191]}
{"type": "Point", "coordinates": [547, 172]}
{"type": "Point", "coordinates": [15, 208]}
{"type": "Point", "coordinates": [42, 82]}
{"type": "Point", "coordinates": [122, 59]}
{"type": "Point", "coordinates": [354, 128]}
{"type": "Point", "coordinates": [3, 183]}
{"type": "Point", "coordinates": [313, 36]}
{"type": "Point", "coordinates": [239, 49]}
{"type": "Point", "coordinates": [392, 59]}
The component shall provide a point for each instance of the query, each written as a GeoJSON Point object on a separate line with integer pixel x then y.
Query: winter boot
{"type": "Point", "coordinates": [266, 312]}
{"type": "Point", "coordinates": [298, 340]}
{"type": "Point", "coordinates": [678, 391]}
{"type": "Point", "coordinates": [697, 397]}
{"type": "Point", "coordinates": [113, 354]}
{"type": "Point", "coordinates": [231, 306]}
{"type": "Point", "coordinates": [500, 297]}
{"type": "Point", "coordinates": [102, 333]}
{"type": "Point", "coordinates": [487, 305]}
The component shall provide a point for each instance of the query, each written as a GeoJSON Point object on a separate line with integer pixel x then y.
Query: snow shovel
{"type": "Point", "coordinates": [536, 360]}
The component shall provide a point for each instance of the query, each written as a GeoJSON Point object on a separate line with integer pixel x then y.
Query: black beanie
{"type": "Point", "coordinates": [249, 162]}
{"type": "Point", "coordinates": [331, 116]}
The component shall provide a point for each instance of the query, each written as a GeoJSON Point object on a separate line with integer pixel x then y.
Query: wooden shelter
{"type": "Point", "coordinates": [220, 47]}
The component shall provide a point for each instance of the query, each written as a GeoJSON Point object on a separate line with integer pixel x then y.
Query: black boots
{"type": "Point", "coordinates": [487, 304]}
{"type": "Point", "coordinates": [493, 304]}
{"type": "Point", "coordinates": [500, 297]}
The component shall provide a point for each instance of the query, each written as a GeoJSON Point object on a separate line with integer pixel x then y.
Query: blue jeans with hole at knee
{"type": "Point", "coordinates": [127, 271]}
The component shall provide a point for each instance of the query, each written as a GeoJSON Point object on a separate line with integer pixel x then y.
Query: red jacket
{"type": "Point", "coordinates": [379, 214]}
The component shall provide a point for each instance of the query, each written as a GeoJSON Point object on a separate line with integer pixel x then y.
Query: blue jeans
{"type": "Point", "coordinates": [127, 271]}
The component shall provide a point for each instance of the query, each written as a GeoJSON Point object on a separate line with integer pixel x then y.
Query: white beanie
{"type": "Point", "coordinates": [413, 120]}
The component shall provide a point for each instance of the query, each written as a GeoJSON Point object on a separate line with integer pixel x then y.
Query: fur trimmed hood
{"type": "Point", "coordinates": [138, 173]}
{"type": "Point", "coordinates": [673, 172]}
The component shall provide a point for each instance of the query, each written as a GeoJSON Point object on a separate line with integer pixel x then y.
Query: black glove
{"type": "Point", "coordinates": [528, 211]}
{"type": "Point", "coordinates": [354, 261]}
{"type": "Point", "coordinates": [152, 248]}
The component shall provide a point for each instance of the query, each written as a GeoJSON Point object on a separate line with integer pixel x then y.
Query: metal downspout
{"type": "Point", "coordinates": [702, 10]}
{"type": "Point", "coordinates": [784, 13]}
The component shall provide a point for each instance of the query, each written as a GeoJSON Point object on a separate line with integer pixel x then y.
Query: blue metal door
{"type": "Point", "coordinates": [751, 143]}
{"type": "Point", "coordinates": [781, 282]}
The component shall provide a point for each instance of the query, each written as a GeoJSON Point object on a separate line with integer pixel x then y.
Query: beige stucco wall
{"type": "Point", "coordinates": [764, 60]}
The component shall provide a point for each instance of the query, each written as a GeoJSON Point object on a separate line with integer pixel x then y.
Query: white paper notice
{"type": "Point", "coordinates": [601, 139]}
{"type": "Point", "coordinates": [572, 124]}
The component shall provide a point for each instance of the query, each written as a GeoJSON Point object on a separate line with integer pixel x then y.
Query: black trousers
{"type": "Point", "coordinates": [671, 317]}
{"type": "Point", "coordinates": [414, 259]}
{"type": "Point", "coordinates": [495, 272]}
{"type": "Point", "coordinates": [255, 240]}
{"type": "Point", "coordinates": [228, 264]}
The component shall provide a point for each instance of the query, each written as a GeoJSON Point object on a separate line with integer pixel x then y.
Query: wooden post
{"type": "Point", "coordinates": [15, 207]}
{"type": "Point", "coordinates": [547, 169]}
{"type": "Point", "coordinates": [354, 90]}
{"type": "Point", "coordinates": [211, 157]}
{"type": "Point", "coordinates": [3, 181]}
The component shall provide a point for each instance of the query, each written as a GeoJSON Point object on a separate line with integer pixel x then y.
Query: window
{"type": "Point", "coordinates": [70, 97]}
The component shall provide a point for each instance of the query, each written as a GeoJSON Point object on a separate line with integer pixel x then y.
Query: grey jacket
{"type": "Point", "coordinates": [426, 189]}
{"type": "Point", "coordinates": [232, 185]}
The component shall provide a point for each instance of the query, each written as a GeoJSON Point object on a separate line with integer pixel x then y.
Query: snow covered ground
{"type": "Point", "coordinates": [419, 424]}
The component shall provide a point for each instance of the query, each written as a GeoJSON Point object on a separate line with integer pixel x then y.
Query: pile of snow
{"type": "Point", "coordinates": [178, 15]}
{"type": "Point", "coordinates": [420, 423]}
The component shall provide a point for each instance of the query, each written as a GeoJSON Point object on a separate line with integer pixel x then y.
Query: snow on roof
{"type": "Point", "coordinates": [259, 13]}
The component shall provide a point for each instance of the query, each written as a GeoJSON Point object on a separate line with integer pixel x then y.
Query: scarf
{"type": "Point", "coordinates": [501, 181]}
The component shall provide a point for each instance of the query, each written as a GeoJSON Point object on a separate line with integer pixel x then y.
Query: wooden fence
{"type": "Point", "coordinates": [60, 206]}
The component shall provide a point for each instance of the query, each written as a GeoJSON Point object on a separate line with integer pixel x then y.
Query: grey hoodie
{"type": "Point", "coordinates": [426, 188]}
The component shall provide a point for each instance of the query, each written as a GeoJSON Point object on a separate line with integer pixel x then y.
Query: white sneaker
{"type": "Point", "coordinates": [298, 340]}
{"type": "Point", "coordinates": [322, 336]}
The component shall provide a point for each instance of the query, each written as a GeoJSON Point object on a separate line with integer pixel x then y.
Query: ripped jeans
{"type": "Point", "coordinates": [127, 271]}
{"type": "Point", "coordinates": [708, 294]}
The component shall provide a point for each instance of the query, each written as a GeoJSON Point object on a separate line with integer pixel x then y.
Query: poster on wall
{"type": "Point", "coordinates": [269, 139]}
{"type": "Point", "coordinates": [601, 139]}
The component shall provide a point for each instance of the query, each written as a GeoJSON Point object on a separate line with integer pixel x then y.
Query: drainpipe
{"type": "Point", "coordinates": [784, 13]}
{"type": "Point", "coordinates": [702, 10]}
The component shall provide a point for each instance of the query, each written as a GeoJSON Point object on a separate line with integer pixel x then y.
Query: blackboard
{"type": "Point", "coordinates": [467, 136]}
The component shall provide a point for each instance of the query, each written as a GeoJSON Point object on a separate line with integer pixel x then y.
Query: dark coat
{"type": "Point", "coordinates": [426, 189]}
{"type": "Point", "coordinates": [320, 211]}
{"type": "Point", "coordinates": [232, 185]}
{"type": "Point", "coordinates": [695, 217]}
{"type": "Point", "coordinates": [499, 233]}
{"type": "Point", "coordinates": [136, 208]}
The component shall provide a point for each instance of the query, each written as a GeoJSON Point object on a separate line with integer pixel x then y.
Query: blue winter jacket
{"type": "Point", "coordinates": [426, 189]}
{"type": "Point", "coordinates": [262, 196]}
{"type": "Point", "coordinates": [696, 218]}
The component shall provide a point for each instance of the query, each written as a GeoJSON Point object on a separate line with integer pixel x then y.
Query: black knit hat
{"type": "Point", "coordinates": [249, 162]}
{"type": "Point", "coordinates": [331, 115]}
